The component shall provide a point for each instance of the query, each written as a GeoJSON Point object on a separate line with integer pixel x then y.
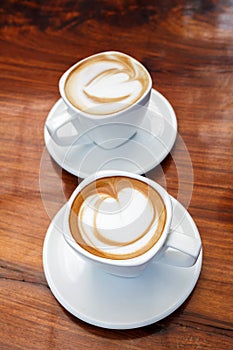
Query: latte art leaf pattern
{"type": "Point", "coordinates": [117, 218]}
{"type": "Point", "coordinates": [106, 83]}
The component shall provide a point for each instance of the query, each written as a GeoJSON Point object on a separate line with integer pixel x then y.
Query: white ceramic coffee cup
{"type": "Point", "coordinates": [107, 130]}
{"type": "Point", "coordinates": [188, 248]}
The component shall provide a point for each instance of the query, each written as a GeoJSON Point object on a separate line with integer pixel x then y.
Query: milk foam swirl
{"type": "Point", "coordinates": [117, 217]}
{"type": "Point", "coordinates": [106, 83]}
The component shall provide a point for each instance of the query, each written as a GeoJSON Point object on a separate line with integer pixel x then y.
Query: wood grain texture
{"type": "Point", "coordinates": [188, 48]}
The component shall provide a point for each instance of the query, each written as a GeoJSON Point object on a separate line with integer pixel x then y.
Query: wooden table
{"type": "Point", "coordinates": [188, 48]}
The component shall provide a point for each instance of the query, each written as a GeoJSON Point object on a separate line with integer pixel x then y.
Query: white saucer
{"type": "Point", "coordinates": [115, 302]}
{"type": "Point", "coordinates": [151, 144]}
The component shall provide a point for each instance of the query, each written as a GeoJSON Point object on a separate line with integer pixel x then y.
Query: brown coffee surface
{"type": "Point", "coordinates": [110, 187]}
{"type": "Point", "coordinates": [106, 83]}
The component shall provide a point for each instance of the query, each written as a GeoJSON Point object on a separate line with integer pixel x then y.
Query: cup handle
{"type": "Point", "coordinates": [57, 123]}
{"type": "Point", "coordinates": [181, 250]}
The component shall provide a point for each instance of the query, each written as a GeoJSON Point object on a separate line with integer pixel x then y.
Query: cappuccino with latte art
{"type": "Point", "coordinates": [117, 217]}
{"type": "Point", "coordinates": [121, 222]}
{"type": "Point", "coordinates": [105, 97]}
{"type": "Point", "coordinates": [106, 83]}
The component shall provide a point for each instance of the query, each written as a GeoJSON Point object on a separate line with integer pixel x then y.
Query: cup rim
{"type": "Point", "coordinates": [136, 261]}
{"type": "Point", "coordinates": [64, 76]}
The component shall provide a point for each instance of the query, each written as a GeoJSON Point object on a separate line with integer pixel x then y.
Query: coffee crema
{"type": "Point", "coordinates": [117, 217]}
{"type": "Point", "coordinates": [106, 83]}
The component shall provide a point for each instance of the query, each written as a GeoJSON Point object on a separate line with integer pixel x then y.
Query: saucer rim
{"type": "Point", "coordinates": [120, 325]}
{"type": "Point", "coordinates": [79, 173]}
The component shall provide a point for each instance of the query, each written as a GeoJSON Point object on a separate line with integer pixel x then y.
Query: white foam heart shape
{"type": "Point", "coordinates": [112, 86]}
{"type": "Point", "coordinates": [113, 224]}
